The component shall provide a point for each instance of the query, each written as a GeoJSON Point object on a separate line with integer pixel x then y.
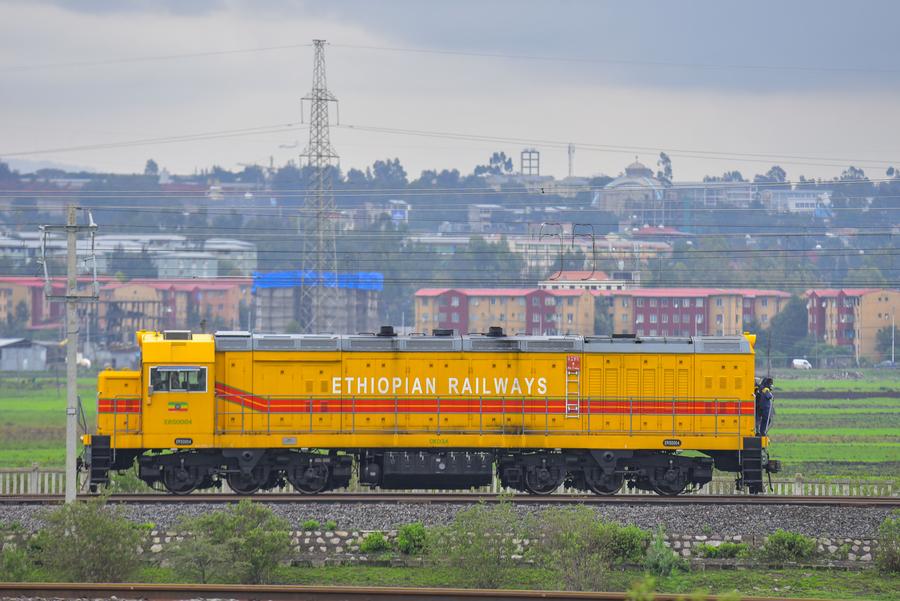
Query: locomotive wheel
{"type": "Point", "coordinates": [312, 479]}
{"type": "Point", "coordinates": [542, 481]}
{"type": "Point", "coordinates": [672, 483]}
{"type": "Point", "coordinates": [246, 484]}
{"type": "Point", "coordinates": [180, 480]}
{"type": "Point", "coordinates": [604, 485]}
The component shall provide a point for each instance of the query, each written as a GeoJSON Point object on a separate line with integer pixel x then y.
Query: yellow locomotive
{"type": "Point", "coordinates": [439, 411]}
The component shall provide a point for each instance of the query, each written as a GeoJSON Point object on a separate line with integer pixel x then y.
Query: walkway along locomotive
{"type": "Point", "coordinates": [425, 412]}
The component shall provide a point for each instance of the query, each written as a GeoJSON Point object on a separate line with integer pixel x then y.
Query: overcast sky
{"type": "Point", "coordinates": [720, 85]}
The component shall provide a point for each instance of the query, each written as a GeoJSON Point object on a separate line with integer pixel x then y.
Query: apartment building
{"type": "Point", "coordinates": [688, 311]}
{"type": "Point", "coordinates": [852, 317]}
{"type": "Point", "coordinates": [517, 310]}
{"type": "Point", "coordinates": [125, 307]}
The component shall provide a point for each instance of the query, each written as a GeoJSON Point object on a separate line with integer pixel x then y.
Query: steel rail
{"type": "Point", "coordinates": [458, 498]}
{"type": "Point", "coordinates": [243, 592]}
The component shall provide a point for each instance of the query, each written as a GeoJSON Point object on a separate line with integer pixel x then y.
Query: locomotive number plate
{"type": "Point", "coordinates": [671, 442]}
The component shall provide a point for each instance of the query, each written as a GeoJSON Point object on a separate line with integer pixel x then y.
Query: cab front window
{"type": "Point", "coordinates": [178, 379]}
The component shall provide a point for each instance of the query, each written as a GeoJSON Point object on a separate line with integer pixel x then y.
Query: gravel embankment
{"type": "Point", "coordinates": [855, 522]}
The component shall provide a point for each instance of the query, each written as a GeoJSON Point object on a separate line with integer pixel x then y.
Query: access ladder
{"type": "Point", "coordinates": [573, 386]}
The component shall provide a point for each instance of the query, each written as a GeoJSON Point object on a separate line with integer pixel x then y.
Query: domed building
{"type": "Point", "coordinates": [637, 193]}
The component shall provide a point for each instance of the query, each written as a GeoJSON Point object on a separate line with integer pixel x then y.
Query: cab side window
{"type": "Point", "coordinates": [178, 379]}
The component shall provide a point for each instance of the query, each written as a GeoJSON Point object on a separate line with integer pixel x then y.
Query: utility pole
{"type": "Point", "coordinates": [71, 298]}
{"type": "Point", "coordinates": [319, 260]}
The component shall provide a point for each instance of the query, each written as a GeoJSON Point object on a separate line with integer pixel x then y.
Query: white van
{"type": "Point", "coordinates": [801, 364]}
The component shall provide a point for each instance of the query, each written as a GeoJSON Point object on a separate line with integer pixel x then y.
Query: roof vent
{"type": "Point", "coordinates": [495, 332]}
{"type": "Point", "coordinates": [386, 331]}
{"type": "Point", "coordinates": [442, 332]}
{"type": "Point", "coordinates": [616, 336]}
{"type": "Point", "coordinates": [176, 335]}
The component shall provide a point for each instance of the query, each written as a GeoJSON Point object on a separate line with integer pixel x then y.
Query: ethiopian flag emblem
{"type": "Point", "coordinates": [178, 406]}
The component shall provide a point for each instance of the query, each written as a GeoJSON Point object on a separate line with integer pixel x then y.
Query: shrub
{"type": "Point", "coordinates": [198, 558]}
{"type": "Point", "coordinates": [480, 542]}
{"type": "Point", "coordinates": [569, 543]}
{"type": "Point", "coordinates": [623, 544]}
{"type": "Point", "coordinates": [726, 550]}
{"type": "Point", "coordinates": [310, 525]}
{"type": "Point", "coordinates": [783, 546]}
{"type": "Point", "coordinates": [15, 565]}
{"type": "Point", "coordinates": [374, 542]}
{"type": "Point", "coordinates": [89, 542]}
{"type": "Point", "coordinates": [330, 525]}
{"type": "Point", "coordinates": [887, 557]}
{"type": "Point", "coordinates": [244, 542]}
{"type": "Point", "coordinates": [660, 559]}
{"type": "Point", "coordinates": [411, 538]}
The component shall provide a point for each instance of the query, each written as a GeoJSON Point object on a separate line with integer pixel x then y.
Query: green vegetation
{"type": "Point", "coordinates": [89, 542]}
{"type": "Point", "coordinates": [412, 538]}
{"type": "Point", "coordinates": [481, 543]}
{"type": "Point", "coordinates": [872, 381]}
{"type": "Point", "coordinates": [888, 556]}
{"type": "Point", "coordinates": [572, 542]}
{"type": "Point", "coordinates": [569, 548]}
{"type": "Point", "coordinates": [243, 543]}
{"type": "Point", "coordinates": [374, 542]}
{"type": "Point", "coordinates": [310, 525]}
{"type": "Point", "coordinates": [33, 419]}
{"type": "Point", "coordinates": [660, 560]}
{"type": "Point", "coordinates": [782, 546]}
{"type": "Point", "coordinates": [726, 550]}
{"type": "Point", "coordinates": [843, 443]}
{"type": "Point", "coordinates": [15, 565]}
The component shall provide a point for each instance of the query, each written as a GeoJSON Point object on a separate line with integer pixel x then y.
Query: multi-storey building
{"type": "Point", "coordinates": [352, 306]}
{"type": "Point", "coordinates": [125, 307]}
{"type": "Point", "coordinates": [688, 311]}
{"type": "Point", "coordinates": [42, 313]}
{"type": "Point", "coordinates": [852, 317]}
{"type": "Point", "coordinates": [760, 306]}
{"type": "Point", "coordinates": [516, 310]}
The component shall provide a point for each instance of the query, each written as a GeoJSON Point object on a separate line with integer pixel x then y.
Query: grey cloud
{"type": "Point", "coordinates": [806, 44]}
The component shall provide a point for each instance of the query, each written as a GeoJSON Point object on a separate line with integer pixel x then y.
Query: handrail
{"type": "Point", "coordinates": [527, 414]}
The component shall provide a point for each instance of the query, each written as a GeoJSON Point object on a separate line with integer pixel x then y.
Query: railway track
{"type": "Point", "coordinates": [178, 592]}
{"type": "Point", "coordinates": [450, 498]}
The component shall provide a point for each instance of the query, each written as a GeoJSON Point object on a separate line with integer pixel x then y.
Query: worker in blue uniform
{"type": "Point", "coordinates": [765, 409]}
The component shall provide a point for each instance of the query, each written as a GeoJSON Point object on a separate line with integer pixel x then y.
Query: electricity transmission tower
{"type": "Point", "coordinates": [318, 289]}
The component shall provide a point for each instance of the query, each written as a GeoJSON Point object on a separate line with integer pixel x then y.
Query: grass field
{"type": "Point", "coordinates": [33, 419]}
{"type": "Point", "coordinates": [852, 438]}
{"type": "Point", "coordinates": [872, 380]}
{"type": "Point", "coordinates": [834, 437]}
{"type": "Point", "coordinates": [804, 583]}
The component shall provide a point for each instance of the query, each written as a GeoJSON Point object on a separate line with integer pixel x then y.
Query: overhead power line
{"type": "Point", "coordinates": [146, 59]}
{"type": "Point", "coordinates": [627, 62]}
{"type": "Point", "coordinates": [619, 148]}
{"type": "Point", "coordinates": [818, 161]}
{"type": "Point", "coordinates": [211, 135]}
{"type": "Point", "coordinates": [586, 60]}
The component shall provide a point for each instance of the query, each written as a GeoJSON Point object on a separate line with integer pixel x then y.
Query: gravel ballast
{"type": "Point", "coordinates": [698, 518]}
